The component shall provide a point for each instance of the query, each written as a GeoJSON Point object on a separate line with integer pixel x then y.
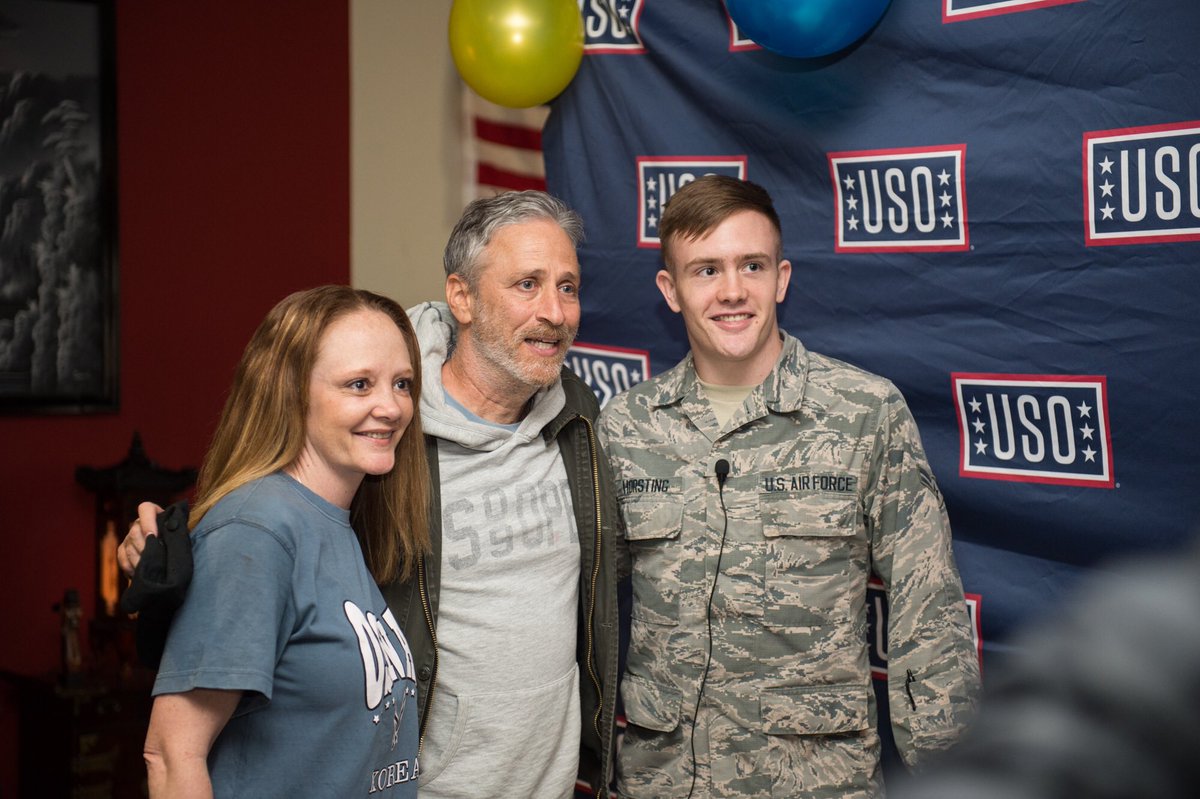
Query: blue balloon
{"type": "Point", "coordinates": [805, 28]}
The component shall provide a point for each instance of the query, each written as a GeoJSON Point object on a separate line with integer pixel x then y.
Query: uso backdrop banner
{"type": "Point", "coordinates": [993, 203]}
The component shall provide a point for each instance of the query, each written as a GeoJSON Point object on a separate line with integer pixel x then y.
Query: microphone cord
{"type": "Point", "coordinates": [721, 475]}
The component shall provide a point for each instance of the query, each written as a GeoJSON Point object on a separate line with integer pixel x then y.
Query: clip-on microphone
{"type": "Point", "coordinates": [722, 470]}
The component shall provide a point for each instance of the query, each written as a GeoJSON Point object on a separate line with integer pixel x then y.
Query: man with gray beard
{"type": "Point", "coordinates": [525, 552]}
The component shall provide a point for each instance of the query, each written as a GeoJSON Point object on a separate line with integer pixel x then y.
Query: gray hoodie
{"type": "Point", "coordinates": [508, 598]}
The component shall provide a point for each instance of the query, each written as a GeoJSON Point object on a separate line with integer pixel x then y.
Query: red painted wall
{"type": "Point", "coordinates": [234, 186]}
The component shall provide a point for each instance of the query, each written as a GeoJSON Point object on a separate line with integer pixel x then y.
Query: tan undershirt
{"type": "Point", "coordinates": [725, 400]}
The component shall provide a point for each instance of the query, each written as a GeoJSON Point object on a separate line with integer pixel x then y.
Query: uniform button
{"type": "Point", "coordinates": [425, 673]}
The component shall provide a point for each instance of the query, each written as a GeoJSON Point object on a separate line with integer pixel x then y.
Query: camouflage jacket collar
{"type": "Point", "coordinates": [781, 392]}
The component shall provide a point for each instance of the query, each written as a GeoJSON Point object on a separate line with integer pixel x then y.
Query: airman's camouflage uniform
{"type": "Point", "coordinates": [828, 482]}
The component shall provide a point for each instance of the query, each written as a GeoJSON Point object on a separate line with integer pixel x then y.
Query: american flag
{"type": "Point", "coordinates": [503, 147]}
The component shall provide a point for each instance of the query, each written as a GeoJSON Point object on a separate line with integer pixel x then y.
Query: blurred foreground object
{"type": "Point", "coordinates": [1102, 702]}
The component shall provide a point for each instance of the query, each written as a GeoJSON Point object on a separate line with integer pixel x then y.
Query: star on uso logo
{"type": "Point", "coordinates": [660, 178]}
{"type": "Point", "coordinates": [611, 26]}
{"type": "Point", "coordinates": [958, 10]}
{"type": "Point", "coordinates": [1034, 428]}
{"type": "Point", "coordinates": [608, 370]}
{"type": "Point", "coordinates": [910, 199]}
{"type": "Point", "coordinates": [1142, 185]}
{"type": "Point", "coordinates": [877, 624]}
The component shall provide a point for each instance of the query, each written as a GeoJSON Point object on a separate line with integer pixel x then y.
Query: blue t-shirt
{"type": "Point", "coordinates": [282, 607]}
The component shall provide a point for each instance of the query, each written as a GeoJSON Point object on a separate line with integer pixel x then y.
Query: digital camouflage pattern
{"type": "Point", "coordinates": [828, 482]}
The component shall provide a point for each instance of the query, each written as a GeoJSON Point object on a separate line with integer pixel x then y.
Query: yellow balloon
{"type": "Point", "coordinates": [517, 53]}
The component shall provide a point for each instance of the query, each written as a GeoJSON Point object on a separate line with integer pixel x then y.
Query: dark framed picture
{"type": "Point", "coordinates": [58, 253]}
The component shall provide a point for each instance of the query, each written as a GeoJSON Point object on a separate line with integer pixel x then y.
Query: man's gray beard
{"type": "Point", "coordinates": [495, 352]}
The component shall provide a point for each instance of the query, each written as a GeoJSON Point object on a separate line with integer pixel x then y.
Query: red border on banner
{"type": "Point", "coordinates": [942, 149]}
{"type": "Point", "coordinates": [997, 8]}
{"type": "Point", "coordinates": [1000, 378]}
{"type": "Point", "coordinates": [746, 46]}
{"type": "Point", "coordinates": [1089, 237]}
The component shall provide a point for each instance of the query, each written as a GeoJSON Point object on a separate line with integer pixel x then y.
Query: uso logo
{"type": "Point", "coordinates": [957, 10]}
{"type": "Point", "coordinates": [1142, 185]}
{"type": "Point", "coordinates": [739, 41]}
{"type": "Point", "coordinates": [608, 370]}
{"type": "Point", "coordinates": [900, 200]}
{"type": "Point", "coordinates": [660, 178]}
{"type": "Point", "coordinates": [1034, 428]}
{"type": "Point", "coordinates": [877, 618]}
{"type": "Point", "coordinates": [611, 26]}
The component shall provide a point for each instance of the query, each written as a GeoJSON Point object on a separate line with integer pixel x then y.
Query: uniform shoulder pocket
{"type": "Point", "coordinates": [652, 515]}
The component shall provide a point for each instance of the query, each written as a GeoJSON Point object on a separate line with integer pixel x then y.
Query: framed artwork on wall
{"type": "Point", "coordinates": [58, 253]}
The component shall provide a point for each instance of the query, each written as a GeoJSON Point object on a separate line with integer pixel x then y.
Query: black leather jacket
{"type": "Point", "coordinates": [415, 602]}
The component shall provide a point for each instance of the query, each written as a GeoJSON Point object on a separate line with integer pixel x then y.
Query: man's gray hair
{"type": "Point", "coordinates": [483, 217]}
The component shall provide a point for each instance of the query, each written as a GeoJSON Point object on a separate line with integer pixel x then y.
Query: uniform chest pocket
{"type": "Point", "coordinates": [814, 556]}
{"type": "Point", "coordinates": [652, 525]}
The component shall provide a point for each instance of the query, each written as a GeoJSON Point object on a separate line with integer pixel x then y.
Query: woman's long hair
{"type": "Point", "coordinates": [262, 428]}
